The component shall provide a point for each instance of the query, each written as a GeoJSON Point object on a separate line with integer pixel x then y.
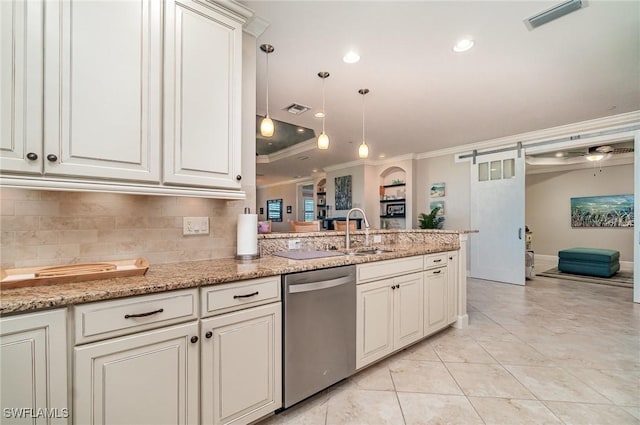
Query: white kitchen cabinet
{"type": "Point", "coordinates": [202, 95]}
{"type": "Point", "coordinates": [103, 89]}
{"type": "Point", "coordinates": [374, 321]}
{"type": "Point", "coordinates": [145, 378]}
{"type": "Point", "coordinates": [452, 286]}
{"type": "Point", "coordinates": [407, 310]}
{"type": "Point", "coordinates": [435, 299]}
{"type": "Point", "coordinates": [388, 316]}
{"type": "Point", "coordinates": [242, 365]}
{"type": "Point", "coordinates": [21, 38]}
{"type": "Point", "coordinates": [33, 359]}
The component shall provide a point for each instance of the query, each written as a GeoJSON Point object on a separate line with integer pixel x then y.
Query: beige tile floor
{"type": "Point", "coordinates": [552, 352]}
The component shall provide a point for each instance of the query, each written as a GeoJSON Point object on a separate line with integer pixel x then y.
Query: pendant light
{"type": "Point", "coordinates": [323, 140]}
{"type": "Point", "coordinates": [266, 126]}
{"type": "Point", "coordinates": [363, 149]}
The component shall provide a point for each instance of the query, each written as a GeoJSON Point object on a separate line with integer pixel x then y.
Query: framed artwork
{"type": "Point", "coordinates": [602, 211]}
{"type": "Point", "coordinates": [288, 209]}
{"type": "Point", "coordinates": [274, 210]}
{"type": "Point", "coordinates": [261, 210]}
{"type": "Point", "coordinates": [395, 209]}
{"type": "Point", "coordinates": [434, 204]}
{"type": "Point", "coordinates": [437, 190]}
{"type": "Point", "coordinates": [343, 193]}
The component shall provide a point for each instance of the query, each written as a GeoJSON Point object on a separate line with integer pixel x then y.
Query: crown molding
{"type": "Point", "coordinates": [287, 152]}
{"type": "Point", "coordinates": [611, 122]}
{"type": "Point", "coordinates": [286, 182]}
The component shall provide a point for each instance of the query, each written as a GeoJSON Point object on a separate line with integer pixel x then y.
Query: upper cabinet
{"type": "Point", "coordinates": [141, 96]}
{"type": "Point", "coordinates": [103, 69]}
{"type": "Point", "coordinates": [203, 64]}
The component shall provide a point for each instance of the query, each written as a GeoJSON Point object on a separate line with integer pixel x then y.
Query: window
{"type": "Point", "coordinates": [274, 209]}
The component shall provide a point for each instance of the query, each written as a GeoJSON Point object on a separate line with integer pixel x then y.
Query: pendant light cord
{"type": "Point", "coordinates": [363, 117]}
{"type": "Point", "coordinates": [324, 114]}
{"type": "Point", "coordinates": [267, 84]}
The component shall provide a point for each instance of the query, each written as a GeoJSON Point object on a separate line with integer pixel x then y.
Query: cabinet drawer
{"type": "Point", "coordinates": [388, 268]}
{"type": "Point", "coordinates": [435, 260]}
{"type": "Point", "coordinates": [237, 295]}
{"type": "Point", "coordinates": [107, 319]}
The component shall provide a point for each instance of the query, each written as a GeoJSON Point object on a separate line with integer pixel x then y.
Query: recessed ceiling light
{"type": "Point", "coordinates": [315, 170]}
{"type": "Point", "coordinates": [463, 45]}
{"type": "Point", "coordinates": [381, 155]}
{"type": "Point", "coordinates": [351, 57]}
{"type": "Point", "coordinates": [300, 130]}
{"type": "Point", "coordinates": [559, 154]}
{"type": "Point", "coordinates": [319, 115]}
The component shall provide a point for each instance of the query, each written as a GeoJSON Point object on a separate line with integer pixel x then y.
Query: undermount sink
{"type": "Point", "coordinates": [369, 251]}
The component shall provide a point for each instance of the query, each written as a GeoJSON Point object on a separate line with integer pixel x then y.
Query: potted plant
{"type": "Point", "coordinates": [431, 221]}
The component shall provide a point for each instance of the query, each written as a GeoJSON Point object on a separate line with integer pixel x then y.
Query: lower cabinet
{"type": "Point", "coordinates": [146, 378]}
{"type": "Point", "coordinates": [388, 316]}
{"type": "Point", "coordinates": [435, 299]}
{"type": "Point", "coordinates": [452, 286]}
{"type": "Point", "coordinates": [241, 365]}
{"type": "Point", "coordinates": [33, 360]}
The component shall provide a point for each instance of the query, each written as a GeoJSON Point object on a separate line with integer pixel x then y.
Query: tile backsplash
{"type": "Point", "coordinates": [48, 227]}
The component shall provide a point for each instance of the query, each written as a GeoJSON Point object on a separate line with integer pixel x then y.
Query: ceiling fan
{"type": "Point", "coordinates": [599, 153]}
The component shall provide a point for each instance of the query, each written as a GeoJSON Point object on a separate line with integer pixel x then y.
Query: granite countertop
{"type": "Point", "coordinates": [166, 277]}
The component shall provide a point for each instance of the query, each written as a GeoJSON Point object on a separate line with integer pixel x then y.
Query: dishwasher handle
{"type": "Point", "coordinates": [323, 284]}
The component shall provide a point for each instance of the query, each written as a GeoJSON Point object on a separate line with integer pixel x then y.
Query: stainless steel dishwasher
{"type": "Point", "coordinates": [319, 344]}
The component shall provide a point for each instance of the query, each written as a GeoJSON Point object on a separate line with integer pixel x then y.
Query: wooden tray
{"type": "Point", "coordinates": [40, 276]}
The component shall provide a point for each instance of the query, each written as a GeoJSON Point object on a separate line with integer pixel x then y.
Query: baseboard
{"type": "Point", "coordinates": [624, 265]}
{"type": "Point", "coordinates": [462, 322]}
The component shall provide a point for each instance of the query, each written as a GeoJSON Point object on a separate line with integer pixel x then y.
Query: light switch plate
{"type": "Point", "coordinates": [294, 243]}
{"type": "Point", "coordinates": [195, 226]}
{"type": "Point", "coordinates": [377, 238]}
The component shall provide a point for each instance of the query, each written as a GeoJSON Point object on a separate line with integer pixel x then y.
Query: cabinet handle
{"type": "Point", "coordinates": [32, 156]}
{"type": "Point", "coordinates": [437, 272]}
{"type": "Point", "coordinates": [246, 296]}
{"type": "Point", "coordinates": [131, 316]}
{"type": "Point", "coordinates": [194, 339]}
{"type": "Point", "coordinates": [52, 157]}
{"type": "Point", "coordinates": [438, 260]}
{"type": "Point", "coordinates": [208, 335]}
{"type": "Point", "coordinates": [238, 177]}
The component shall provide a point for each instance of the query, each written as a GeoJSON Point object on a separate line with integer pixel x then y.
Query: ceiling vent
{"type": "Point", "coordinates": [554, 13]}
{"type": "Point", "coordinates": [296, 109]}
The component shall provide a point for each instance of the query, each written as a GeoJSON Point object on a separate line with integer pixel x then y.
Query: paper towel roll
{"type": "Point", "coordinates": [247, 235]}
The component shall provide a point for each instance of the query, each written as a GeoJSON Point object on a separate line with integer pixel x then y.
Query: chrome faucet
{"type": "Point", "coordinates": [366, 227]}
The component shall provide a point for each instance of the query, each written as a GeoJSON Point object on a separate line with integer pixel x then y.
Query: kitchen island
{"type": "Point", "coordinates": [207, 336]}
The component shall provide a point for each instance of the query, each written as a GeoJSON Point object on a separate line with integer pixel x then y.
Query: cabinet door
{"type": "Point", "coordinates": [21, 29]}
{"type": "Point", "coordinates": [452, 286]}
{"type": "Point", "coordinates": [408, 322]}
{"type": "Point", "coordinates": [374, 321]}
{"type": "Point", "coordinates": [203, 71]}
{"type": "Point", "coordinates": [103, 69]}
{"type": "Point", "coordinates": [33, 360]}
{"type": "Point", "coordinates": [242, 365]}
{"type": "Point", "coordinates": [145, 378]}
{"type": "Point", "coordinates": [435, 300]}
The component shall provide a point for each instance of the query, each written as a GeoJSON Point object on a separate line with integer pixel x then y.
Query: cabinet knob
{"type": "Point", "coordinates": [238, 177]}
{"type": "Point", "coordinates": [32, 156]}
{"type": "Point", "coordinates": [208, 335]}
{"type": "Point", "coordinates": [194, 339]}
{"type": "Point", "coordinates": [450, 258]}
{"type": "Point", "coordinates": [52, 157]}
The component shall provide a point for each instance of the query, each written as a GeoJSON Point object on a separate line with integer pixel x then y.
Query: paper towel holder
{"type": "Point", "coordinates": [249, 257]}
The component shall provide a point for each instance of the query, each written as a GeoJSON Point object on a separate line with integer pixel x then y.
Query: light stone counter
{"type": "Point", "coordinates": [166, 277]}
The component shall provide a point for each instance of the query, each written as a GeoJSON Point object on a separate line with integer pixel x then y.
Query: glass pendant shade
{"type": "Point", "coordinates": [323, 141]}
{"type": "Point", "coordinates": [363, 150]}
{"type": "Point", "coordinates": [266, 127]}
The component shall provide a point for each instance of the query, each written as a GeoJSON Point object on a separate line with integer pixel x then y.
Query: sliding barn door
{"type": "Point", "coordinates": [497, 210]}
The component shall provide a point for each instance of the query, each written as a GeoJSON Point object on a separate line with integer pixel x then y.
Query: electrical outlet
{"type": "Point", "coordinates": [377, 238]}
{"type": "Point", "coordinates": [294, 243]}
{"type": "Point", "coordinates": [195, 226]}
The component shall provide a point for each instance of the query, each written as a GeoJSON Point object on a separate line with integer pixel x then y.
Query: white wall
{"type": "Point", "coordinates": [286, 192]}
{"type": "Point", "coordinates": [547, 211]}
{"type": "Point", "coordinates": [456, 199]}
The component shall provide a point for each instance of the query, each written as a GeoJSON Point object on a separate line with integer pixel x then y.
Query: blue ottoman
{"type": "Point", "coordinates": [589, 261]}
